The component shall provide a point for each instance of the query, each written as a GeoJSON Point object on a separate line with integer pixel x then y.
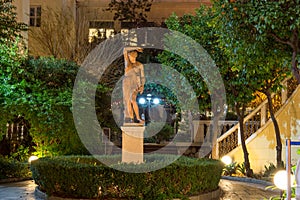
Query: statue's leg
{"type": "Point", "coordinates": [135, 105]}
{"type": "Point", "coordinates": [129, 108]}
{"type": "Point", "coordinates": [128, 115]}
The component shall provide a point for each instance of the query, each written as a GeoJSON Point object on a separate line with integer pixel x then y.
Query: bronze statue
{"type": "Point", "coordinates": [133, 83]}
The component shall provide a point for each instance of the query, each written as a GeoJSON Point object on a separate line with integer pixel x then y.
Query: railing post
{"type": "Point", "coordinates": [11, 131]}
{"type": "Point", "coordinates": [198, 135]}
{"type": "Point", "coordinates": [7, 131]}
{"type": "Point", "coordinates": [215, 151]}
{"type": "Point", "coordinates": [263, 115]}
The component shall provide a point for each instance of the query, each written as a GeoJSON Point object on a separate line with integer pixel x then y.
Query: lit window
{"type": "Point", "coordinates": [35, 16]}
{"type": "Point", "coordinates": [100, 30]}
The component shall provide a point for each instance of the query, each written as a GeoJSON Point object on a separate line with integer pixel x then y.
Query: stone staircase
{"type": "Point", "coordinates": [171, 148]}
{"type": "Point", "coordinates": [255, 123]}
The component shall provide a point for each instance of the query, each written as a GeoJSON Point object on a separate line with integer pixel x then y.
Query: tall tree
{"type": "Point", "coordinates": [130, 10]}
{"type": "Point", "coordinates": [279, 19]}
{"type": "Point", "coordinates": [200, 28]}
{"type": "Point", "coordinates": [9, 27]}
{"type": "Point", "coordinates": [262, 61]}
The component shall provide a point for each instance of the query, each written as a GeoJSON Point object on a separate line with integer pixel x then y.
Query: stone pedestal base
{"type": "Point", "coordinates": [133, 144]}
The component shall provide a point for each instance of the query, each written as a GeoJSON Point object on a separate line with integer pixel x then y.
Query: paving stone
{"type": "Point", "coordinates": [236, 190]}
{"type": "Point", "coordinates": [231, 190]}
{"type": "Point", "coordinates": [21, 190]}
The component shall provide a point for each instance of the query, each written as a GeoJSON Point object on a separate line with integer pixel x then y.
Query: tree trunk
{"type": "Point", "coordinates": [294, 44]}
{"type": "Point", "coordinates": [277, 132]}
{"type": "Point", "coordinates": [295, 69]}
{"type": "Point", "coordinates": [218, 112]}
{"type": "Point", "coordinates": [241, 112]}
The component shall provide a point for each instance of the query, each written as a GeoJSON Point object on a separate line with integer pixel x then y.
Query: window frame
{"type": "Point", "coordinates": [35, 16]}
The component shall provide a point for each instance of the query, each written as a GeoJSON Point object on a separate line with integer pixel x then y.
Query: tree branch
{"type": "Point", "coordinates": [278, 39]}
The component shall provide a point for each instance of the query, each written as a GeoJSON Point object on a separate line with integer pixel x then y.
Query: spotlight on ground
{"type": "Point", "coordinates": [32, 158]}
{"type": "Point", "coordinates": [227, 160]}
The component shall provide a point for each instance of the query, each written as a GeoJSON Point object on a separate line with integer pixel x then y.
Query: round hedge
{"type": "Point", "coordinates": [13, 169]}
{"type": "Point", "coordinates": [86, 177]}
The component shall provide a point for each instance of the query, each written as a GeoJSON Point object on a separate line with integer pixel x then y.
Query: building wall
{"type": "Point", "coordinates": [56, 7]}
{"type": "Point", "coordinates": [85, 11]}
{"type": "Point", "coordinates": [22, 10]}
{"type": "Point", "coordinates": [262, 146]}
{"type": "Point", "coordinates": [160, 9]}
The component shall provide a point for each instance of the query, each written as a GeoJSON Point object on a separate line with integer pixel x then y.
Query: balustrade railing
{"type": "Point", "coordinates": [254, 120]}
{"type": "Point", "coordinates": [203, 127]}
{"type": "Point", "coordinates": [16, 134]}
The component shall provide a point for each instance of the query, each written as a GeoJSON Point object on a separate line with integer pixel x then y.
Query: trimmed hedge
{"type": "Point", "coordinates": [13, 169]}
{"type": "Point", "coordinates": [86, 177]}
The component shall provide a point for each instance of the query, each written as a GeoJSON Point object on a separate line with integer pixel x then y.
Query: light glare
{"type": "Point", "coordinates": [142, 100]}
{"type": "Point", "coordinates": [226, 160]}
{"type": "Point", "coordinates": [156, 101]}
{"type": "Point", "coordinates": [32, 158]}
{"type": "Point", "coordinates": [280, 179]}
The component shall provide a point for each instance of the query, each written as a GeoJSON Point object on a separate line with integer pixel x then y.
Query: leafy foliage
{"type": "Point", "coordinates": [40, 90]}
{"type": "Point", "coordinates": [270, 170]}
{"type": "Point", "coordinates": [130, 10]}
{"type": "Point", "coordinates": [48, 100]}
{"type": "Point", "coordinates": [257, 62]}
{"type": "Point", "coordinates": [10, 29]}
{"type": "Point", "coordinates": [13, 169]}
{"type": "Point", "coordinates": [278, 20]}
{"type": "Point", "coordinates": [200, 29]}
{"type": "Point", "coordinates": [234, 168]}
{"type": "Point", "coordinates": [86, 177]}
{"type": "Point", "coordinates": [158, 131]}
{"type": "Point", "coordinates": [241, 169]}
{"type": "Point", "coordinates": [10, 60]}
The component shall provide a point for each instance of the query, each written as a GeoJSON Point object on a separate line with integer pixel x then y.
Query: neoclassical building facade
{"type": "Point", "coordinates": [86, 19]}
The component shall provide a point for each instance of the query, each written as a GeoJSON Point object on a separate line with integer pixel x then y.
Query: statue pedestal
{"type": "Point", "coordinates": [133, 143]}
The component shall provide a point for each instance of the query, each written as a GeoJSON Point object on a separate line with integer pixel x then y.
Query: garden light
{"type": "Point", "coordinates": [156, 101]}
{"type": "Point", "coordinates": [32, 158]}
{"type": "Point", "coordinates": [142, 101]}
{"type": "Point", "coordinates": [227, 160]}
{"type": "Point", "coordinates": [280, 179]}
{"type": "Point", "coordinates": [149, 97]}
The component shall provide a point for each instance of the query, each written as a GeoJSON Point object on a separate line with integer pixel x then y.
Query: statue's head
{"type": "Point", "coordinates": [132, 55]}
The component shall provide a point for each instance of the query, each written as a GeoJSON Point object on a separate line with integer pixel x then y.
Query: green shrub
{"type": "Point", "coordinates": [241, 169]}
{"type": "Point", "coordinates": [230, 169]}
{"type": "Point", "coordinates": [40, 90]}
{"type": "Point", "coordinates": [13, 169]}
{"type": "Point", "coordinates": [158, 132]}
{"type": "Point", "coordinates": [86, 177]}
{"type": "Point", "coordinates": [270, 170]}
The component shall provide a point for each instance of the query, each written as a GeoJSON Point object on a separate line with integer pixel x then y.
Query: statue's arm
{"type": "Point", "coordinates": [125, 54]}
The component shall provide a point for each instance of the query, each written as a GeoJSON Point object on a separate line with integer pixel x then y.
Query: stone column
{"type": "Point", "coordinates": [133, 144]}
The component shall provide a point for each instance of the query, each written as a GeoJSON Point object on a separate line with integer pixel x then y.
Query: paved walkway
{"type": "Point", "coordinates": [20, 190]}
{"type": "Point", "coordinates": [231, 190]}
{"type": "Point", "coordinates": [237, 190]}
